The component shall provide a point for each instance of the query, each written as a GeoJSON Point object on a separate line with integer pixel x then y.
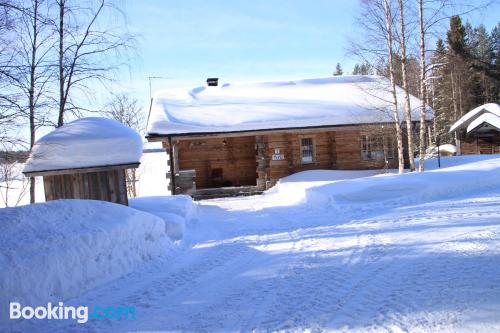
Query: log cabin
{"type": "Point", "coordinates": [241, 138]}
{"type": "Point", "coordinates": [478, 131]}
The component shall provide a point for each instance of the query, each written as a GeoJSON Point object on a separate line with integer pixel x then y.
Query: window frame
{"type": "Point", "coordinates": [373, 145]}
{"type": "Point", "coordinates": [311, 147]}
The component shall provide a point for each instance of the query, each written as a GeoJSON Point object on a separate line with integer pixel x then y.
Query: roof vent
{"type": "Point", "coordinates": [213, 81]}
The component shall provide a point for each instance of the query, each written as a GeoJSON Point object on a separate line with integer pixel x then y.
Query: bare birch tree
{"type": "Point", "coordinates": [404, 70]}
{"type": "Point", "coordinates": [126, 110]}
{"type": "Point", "coordinates": [32, 67]}
{"type": "Point", "coordinates": [390, 50]}
{"type": "Point", "coordinates": [85, 47]}
{"type": "Point", "coordinates": [9, 114]}
{"type": "Point", "coordinates": [423, 88]}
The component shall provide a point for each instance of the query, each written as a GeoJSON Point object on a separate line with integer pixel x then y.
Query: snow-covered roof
{"type": "Point", "coordinates": [484, 119]}
{"type": "Point", "coordinates": [83, 143]}
{"type": "Point", "coordinates": [487, 113]}
{"type": "Point", "coordinates": [234, 107]}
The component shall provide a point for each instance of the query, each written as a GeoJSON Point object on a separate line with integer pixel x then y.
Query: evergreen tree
{"type": "Point", "coordinates": [356, 70]}
{"type": "Point", "coordinates": [338, 70]}
{"type": "Point", "coordinates": [440, 94]}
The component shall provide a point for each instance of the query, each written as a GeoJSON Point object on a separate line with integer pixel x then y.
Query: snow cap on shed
{"type": "Point", "coordinates": [84, 143]}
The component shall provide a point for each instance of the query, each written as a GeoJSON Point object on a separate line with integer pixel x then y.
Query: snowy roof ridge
{"type": "Point", "coordinates": [471, 116]}
{"type": "Point", "coordinates": [248, 106]}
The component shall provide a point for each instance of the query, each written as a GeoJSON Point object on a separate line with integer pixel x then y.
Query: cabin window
{"type": "Point", "coordinates": [372, 148]}
{"type": "Point", "coordinates": [389, 148]}
{"type": "Point", "coordinates": [306, 147]}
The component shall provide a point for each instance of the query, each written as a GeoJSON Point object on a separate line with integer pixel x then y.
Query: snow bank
{"type": "Point", "coordinates": [57, 250]}
{"type": "Point", "coordinates": [176, 211]}
{"type": "Point", "coordinates": [443, 149]}
{"type": "Point", "coordinates": [342, 189]}
{"type": "Point", "coordinates": [469, 174]}
{"type": "Point", "coordinates": [328, 101]}
{"type": "Point", "coordinates": [85, 142]}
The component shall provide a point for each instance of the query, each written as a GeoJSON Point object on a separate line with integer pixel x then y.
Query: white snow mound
{"type": "Point", "coordinates": [57, 250]}
{"type": "Point", "coordinates": [86, 142]}
{"type": "Point", "coordinates": [397, 190]}
{"type": "Point", "coordinates": [177, 211]}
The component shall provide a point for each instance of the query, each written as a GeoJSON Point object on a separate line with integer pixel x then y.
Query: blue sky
{"type": "Point", "coordinates": [190, 40]}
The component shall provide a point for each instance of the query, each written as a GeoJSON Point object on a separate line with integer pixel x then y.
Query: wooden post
{"type": "Point", "coordinates": [172, 169]}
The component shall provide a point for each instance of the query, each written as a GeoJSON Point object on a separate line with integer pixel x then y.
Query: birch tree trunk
{"type": "Point", "coordinates": [32, 86]}
{"type": "Point", "coordinates": [62, 80]}
{"type": "Point", "coordinates": [407, 106]}
{"type": "Point", "coordinates": [389, 39]}
{"type": "Point", "coordinates": [455, 107]}
{"type": "Point", "coordinates": [423, 92]}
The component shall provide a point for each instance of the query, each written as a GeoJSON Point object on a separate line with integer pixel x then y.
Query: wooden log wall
{"type": "Point", "coordinates": [339, 149]}
{"type": "Point", "coordinates": [219, 161]}
{"type": "Point", "coordinates": [103, 185]}
{"type": "Point", "coordinates": [248, 160]}
{"type": "Point", "coordinates": [474, 144]}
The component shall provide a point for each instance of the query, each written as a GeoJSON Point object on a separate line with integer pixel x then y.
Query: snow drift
{"type": "Point", "coordinates": [177, 211]}
{"type": "Point", "coordinates": [470, 173]}
{"type": "Point", "coordinates": [60, 249]}
{"type": "Point", "coordinates": [85, 142]}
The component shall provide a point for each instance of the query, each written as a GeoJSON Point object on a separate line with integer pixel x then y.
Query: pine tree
{"type": "Point", "coordinates": [356, 70]}
{"type": "Point", "coordinates": [338, 70]}
{"type": "Point", "coordinates": [441, 94]}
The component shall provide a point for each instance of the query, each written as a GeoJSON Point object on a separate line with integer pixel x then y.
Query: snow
{"type": "Point", "coordinates": [177, 212]}
{"type": "Point", "coordinates": [86, 142]}
{"type": "Point", "coordinates": [326, 251]}
{"type": "Point", "coordinates": [230, 107]}
{"type": "Point", "coordinates": [57, 250]}
{"type": "Point", "coordinates": [446, 148]}
{"type": "Point", "coordinates": [486, 118]}
{"type": "Point", "coordinates": [151, 172]}
{"type": "Point", "coordinates": [15, 190]}
{"type": "Point", "coordinates": [491, 108]}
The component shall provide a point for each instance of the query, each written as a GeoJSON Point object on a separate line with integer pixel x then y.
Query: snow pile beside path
{"type": "Point", "coordinates": [294, 187]}
{"type": "Point", "coordinates": [57, 250]}
{"type": "Point", "coordinates": [176, 211]}
{"type": "Point", "coordinates": [86, 142]}
{"type": "Point", "coordinates": [452, 161]}
{"type": "Point", "coordinates": [396, 190]}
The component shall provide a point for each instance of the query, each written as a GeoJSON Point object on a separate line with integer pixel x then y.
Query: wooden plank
{"type": "Point", "coordinates": [81, 170]}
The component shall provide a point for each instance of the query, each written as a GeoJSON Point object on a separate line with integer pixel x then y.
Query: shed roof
{"type": "Point", "coordinates": [85, 143]}
{"type": "Point", "coordinates": [250, 106]}
{"type": "Point", "coordinates": [488, 113]}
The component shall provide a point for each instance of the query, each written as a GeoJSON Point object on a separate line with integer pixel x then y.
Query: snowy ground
{"type": "Point", "coordinates": [416, 253]}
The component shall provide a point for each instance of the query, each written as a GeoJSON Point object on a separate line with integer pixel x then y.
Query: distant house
{"type": "Point", "coordinates": [244, 137]}
{"type": "Point", "coordinates": [478, 131]}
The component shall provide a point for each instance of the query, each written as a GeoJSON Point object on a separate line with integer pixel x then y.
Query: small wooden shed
{"type": "Point", "coordinates": [106, 183]}
{"type": "Point", "coordinates": [86, 159]}
{"type": "Point", "coordinates": [478, 131]}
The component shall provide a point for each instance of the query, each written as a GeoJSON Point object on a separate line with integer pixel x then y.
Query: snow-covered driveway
{"type": "Point", "coordinates": [266, 263]}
